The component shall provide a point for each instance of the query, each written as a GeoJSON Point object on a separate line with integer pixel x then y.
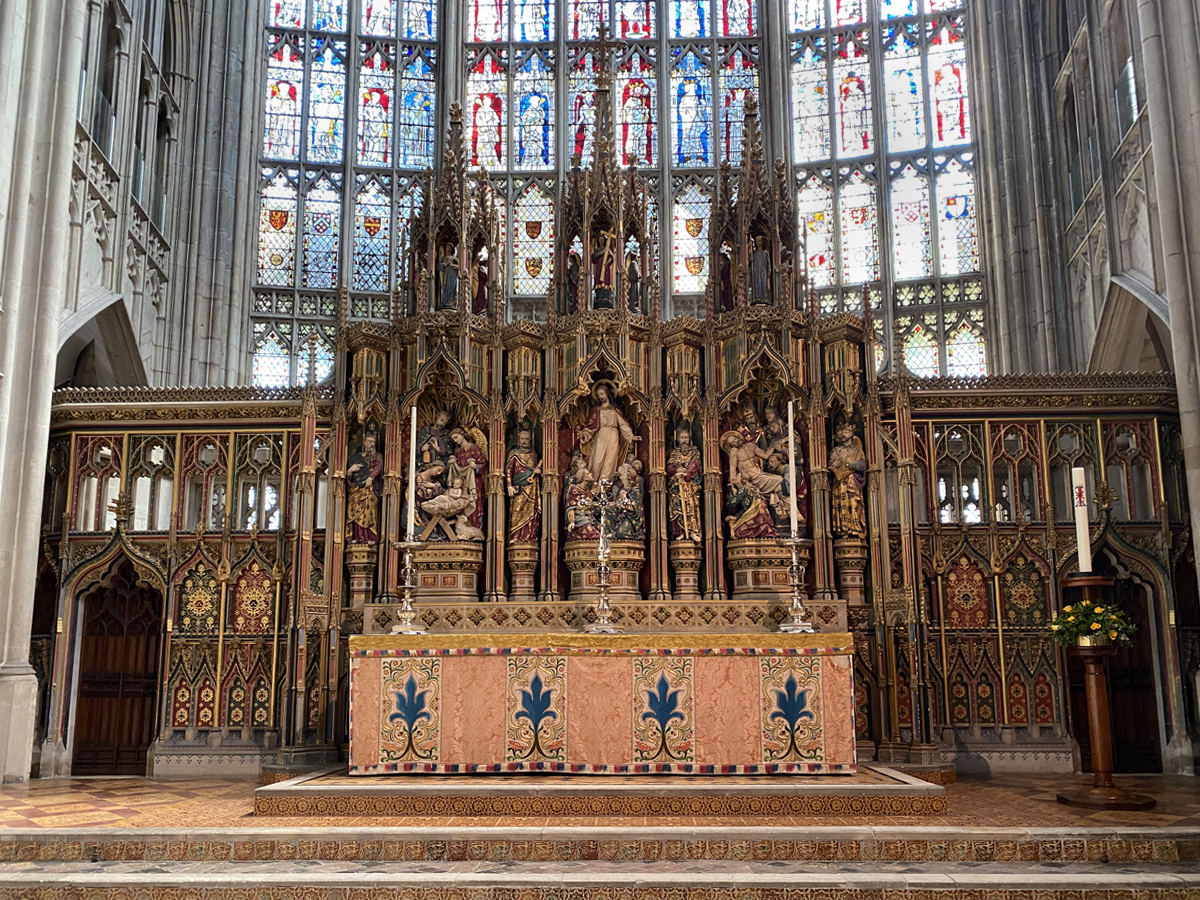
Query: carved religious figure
{"type": "Point", "coordinates": [448, 277]}
{"type": "Point", "coordinates": [751, 429]}
{"type": "Point", "coordinates": [761, 271]}
{"type": "Point", "coordinates": [848, 466]}
{"type": "Point", "coordinates": [725, 279]}
{"type": "Point", "coordinates": [604, 266]}
{"type": "Point", "coordinates": [433, 441]}
{"type": "Point", "coordinates": [572, 283]}
{"type": "Point", "coordinates": [607, 435]}
{"type": "Point", "coordinates": [364, 474]}
{"type": "Point", "coordinates": [469, 463]}
{"type": "Point", "coordinates": [580, 520]}
{"type": "Point", "coordinates": [747, 507]}
{"type": "Point", "coordinates": [631, 488]}
{"type": "Point", "coordinates": [683, 489]}
{"type": "Point", "coordinates": [479, 287]}
{"type": "Point", "coordinates": [522, 475]}
{"type": "Point", "coordinates": [633, 282]}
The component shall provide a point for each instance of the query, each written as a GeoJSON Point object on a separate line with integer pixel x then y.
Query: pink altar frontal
{"type": "Point", "coordinates": [620, 704]}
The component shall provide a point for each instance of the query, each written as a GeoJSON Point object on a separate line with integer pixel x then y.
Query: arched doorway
{"type": "Point", "coordinates": [118, 675]}
{"type": "Point", "coordinates": [1132, 688]}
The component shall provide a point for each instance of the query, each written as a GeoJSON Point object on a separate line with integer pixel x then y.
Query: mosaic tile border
{"type": "Point", "coordinates": [611, 805]}
{"type": "Point", "coordinates": [430, 892]}
{"type": "Point", "coordinates": [325, 845]}
{"type": "Point", "coordinates": [604, 769]}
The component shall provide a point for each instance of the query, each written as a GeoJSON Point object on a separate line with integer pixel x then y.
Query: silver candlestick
{"type": "Point", "coordinates": [406, 617]}
{"type": "Point", "coordinates": [796, 571]}
{"type": "Point", "coordinates": [603, 503]}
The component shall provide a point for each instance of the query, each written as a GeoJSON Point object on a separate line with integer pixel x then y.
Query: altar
{"type": "Point", "coordinates": [705, 704]}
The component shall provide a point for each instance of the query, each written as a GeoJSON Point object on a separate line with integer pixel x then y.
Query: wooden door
{"type": "Point", "coordinates": [118, 677]}
{"type": "Point", "coordinates": [1131, 693]}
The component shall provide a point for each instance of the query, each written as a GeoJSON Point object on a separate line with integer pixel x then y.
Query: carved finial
{"type": "Point", "coordinates": [312, 356]}
{"type": "Point", "coordinates": [456, 113]}
{"type": "Point", "coordinates": [1104, 496]}
{"type": "Point", "coordinates": [121, 508]}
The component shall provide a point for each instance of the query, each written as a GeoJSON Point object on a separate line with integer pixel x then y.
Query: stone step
{"type": "Point", "coordinates": [598, 880]}
{"type": "Point", "coordinates": [922, 845]}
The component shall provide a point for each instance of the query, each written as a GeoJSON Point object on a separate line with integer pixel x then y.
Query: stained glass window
{"type": "Point", "coordinates": [739, 79]}
{"type": "Point", "coordinates": [807, 15]}
{"type": "Point", "coordinates": [277, 229]}
{"type": "Point", "coordinates": [487, 20]}
{"type": "Point", "coordinates": [376, 82]}
{"type": "Point", "coordinates": [328, 15]}
{"type": "Point", "coordinates": [349, 99]}
{"type": "Point", "coordinates": [372, 234]}
{"type": "Point", "coordinates": [903, 199]}
{"type": "Point", "coordinates": [416, 122]}
{"type": "Point", "coordinates": [581, 108]}
{"type": "Point", "coordinates": [966, 353]}
{"type": "Point", "coordinates": [738, 18]}
{"type": "Point", "coordinates": [323, 358]}
{"type": "Point", "coordinates": [852, 92]}
{"type": "Point", "coordinates": [911, 246]}
{"type": "Point", "coordinates": [956, 208]}
{"type": "Point", "coordinates": [810, 101]}
{"type": "Point", "coordinates": [637, 111]}
{"type": "Point", "coordinates": [487, 112]}
{"type": "Point", "coordinates": [286, 13]}
{"type": "Point", "coordinates": [948, 85]}
{"type": "Point", "coordinates": [895, 9]}
{"type": "Point", "coordinates": [691, 110]}
{"type": "Point", "coordinates": [533, 21]}
{"type": "Point", "coordinates": [533, 90]}
{"type": "Point", "coordinates": [272, 362]}
{"type": "Point", "coordinates": [689, 18]}
{"type": "Point", "coordinates": [860, 230]}
{"type": "Point", "coordinates": [418, 20]}
{"type": "Point", "coordinates": [637, 19]}
{"type": "Point", "coordinates": [533, 242]}
{"type": "Point", "coordinates": [693, 210]}
{"type": "Point", "coordinates": [378, 18]}
{"type": "Point", "coordinates": [849, 12]}
{"type": "Point", "coordinates": [285, 100]}
{"type": "Point", "coordinates": [327, 101]}
{"type": "Point", "coordinates": [905, 89]}
{"type": "Point", "coordinates": [814, 203]}
{"type": "Point", "coordinates": [921, 353]}
{"type": "Point", "coordinates": [584, 18]}
{"type": "Point", "coordinates": [322, 230]}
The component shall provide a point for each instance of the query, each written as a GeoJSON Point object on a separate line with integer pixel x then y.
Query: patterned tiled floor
{"type": "Point", "coordinates": [150, 803]}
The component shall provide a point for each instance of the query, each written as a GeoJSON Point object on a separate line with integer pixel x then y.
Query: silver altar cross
{"type": "Point", "coordinates": [603, 502]}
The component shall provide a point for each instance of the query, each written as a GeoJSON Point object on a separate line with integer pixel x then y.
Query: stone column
{"type": "Point", "coordinates": [1170, 37]}
{"type": "Point", "coordinates": [44, 40]}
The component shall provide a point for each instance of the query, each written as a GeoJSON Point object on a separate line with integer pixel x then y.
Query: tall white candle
{"type": "Point", "coordinates": [792, 465]}
{"type": "Point", "coordinates": [412, 475]}
{"type": "Point", "coordinates": [1079, 500]}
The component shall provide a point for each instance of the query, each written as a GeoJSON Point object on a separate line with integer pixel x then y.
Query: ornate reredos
{"type": "Point", "coordinates": [442, 384]}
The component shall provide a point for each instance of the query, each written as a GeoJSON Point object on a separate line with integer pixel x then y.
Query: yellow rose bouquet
{"type": "Point", "coordinates": [1098, 622]}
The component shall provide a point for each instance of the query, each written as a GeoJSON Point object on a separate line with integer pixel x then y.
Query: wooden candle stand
{"type": "Point", "coordinates": [1103, 794]}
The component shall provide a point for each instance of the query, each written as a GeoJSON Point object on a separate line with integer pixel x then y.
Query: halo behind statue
{"type": "Point", "coordinates": [608, 383]}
